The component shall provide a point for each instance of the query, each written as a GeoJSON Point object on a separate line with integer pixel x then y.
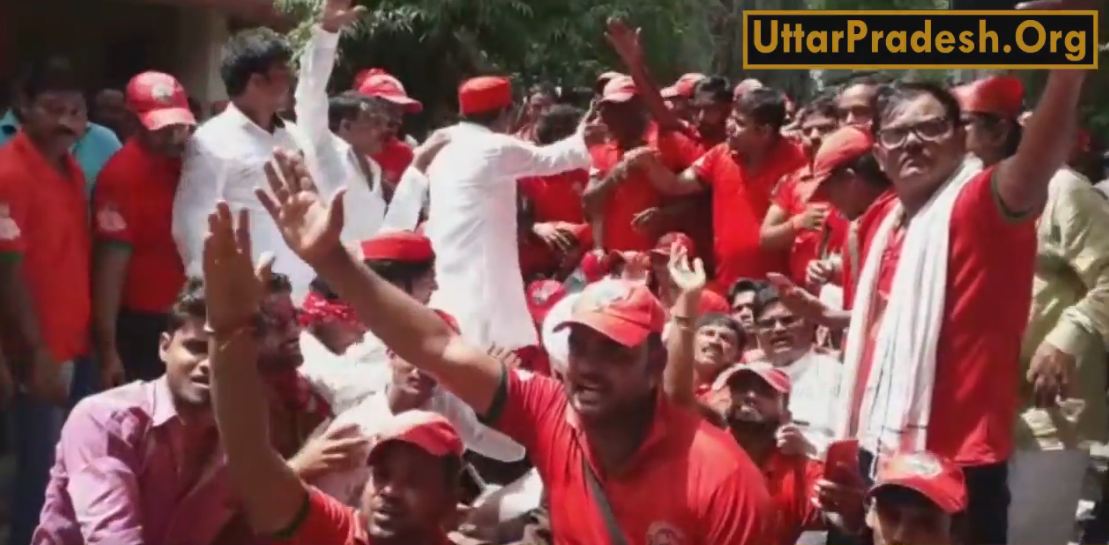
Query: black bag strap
{"type": "Point", "coordinates": [615, 535]}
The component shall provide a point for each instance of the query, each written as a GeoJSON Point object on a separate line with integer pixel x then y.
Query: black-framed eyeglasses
{"type": "Point", "coordinates": [931, 130]}
{"type": "Point", "coordinates": [784, 321]}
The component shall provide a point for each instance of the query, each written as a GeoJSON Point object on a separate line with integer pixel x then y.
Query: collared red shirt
{"type": "Point", "coordinates": [688, 483]}
{"type": "Point", "coordinates": [473, 230]}
{"type": "Point", "coordinates": [92, 150]}
{"type": "Point", "coordinates": [122, 476]}
{"type": "Point", "coordinates": [556, 197]}
{"type": "Point", "coordinates": [329, 522]}
{"type": "Point", "coordinates": [338, 164]}
{"type": "Point", "coordinates": [44, 226]}
{"type": "Point", "coordinates": [224, 160]}
{"type": "Point", "coordinates": [794, 195]}
{"type": "Point", "coordinates": [132, 206]}
{"type": "Point", "coordinates": [791, 481]}
{"type": "Point", "coordinates": [740, 199]}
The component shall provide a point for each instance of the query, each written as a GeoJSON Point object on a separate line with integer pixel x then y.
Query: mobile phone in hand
{"type": "Point", "coordinates": [841, 462]}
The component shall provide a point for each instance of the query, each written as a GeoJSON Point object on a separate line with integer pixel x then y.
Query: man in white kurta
{"type": "Point", "coordinates": [472, 215]}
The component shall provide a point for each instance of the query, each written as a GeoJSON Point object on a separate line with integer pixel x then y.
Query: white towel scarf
{"type": "Point", "coordinates": [897, 400]}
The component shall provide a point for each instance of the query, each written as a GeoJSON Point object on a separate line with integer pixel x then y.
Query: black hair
{"type": "Point", "coordinates": [278, 283]}
{"type": "Point", "coordinates": [765, 297]}
{"type": "Point", "coordinates": [543, 88]}
{"type": "Point", "coordinates": [824, 104]}
{"type": "Point", "coordinates": [487, 118]}
{"type": "Point", "coordinates": [46, 75]}
{"type": "Point", "coordinates": [717, 319]}
{"type": "Point", "coordinates": [717, 87]}
{"type": "Point", "coordinates": [764, 106]}
{"type": "Point", "coordinates": [251, 52]}
{"type": "Point", "coordinates": [191, 304]}
{"type": "Point", "coordinates": [558, 122]}
{"type": "Point", "coordinates": [994, 123]}
{"type": "Point", "coordinates": [400, 273]}
{"type": "Point", "coordinates": [867, 167]}
{"type": "Point", "coordinates": [744, 285]}
{"type": "Point", "coordinates": [318, 285]}
{"type": "Point", "coordinates": [889, 96]}
{"type": "Point", "coordinates": [348, 106]}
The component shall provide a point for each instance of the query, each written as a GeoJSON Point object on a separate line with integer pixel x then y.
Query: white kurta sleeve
{"type": "Point", "coordinates": [521, 159]}
{"type": "Point", "coordinates": [200, 187]}
{"type": "Point", "coordinates": [403, 213]}
{"type": "Point", "coordinates": [476, 436]}
{"type": "Point", "coordinates": [311, 93]}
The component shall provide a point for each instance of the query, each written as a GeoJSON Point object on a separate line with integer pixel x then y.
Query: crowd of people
{"type": "Point", "coordinates": [695, 314]}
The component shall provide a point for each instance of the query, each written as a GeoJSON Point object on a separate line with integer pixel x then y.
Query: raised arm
{"type": "Point", "coordinates": [316, 66]}
{"type": "Point", "coordinates": [520, 159]}
{"type": "Point", "coordinates": [416, 333]}
{"type": "Point", "coordinates": [678, 378]}
{"type": "Point", "coordinates": [626, 43]}
{"type": "Point", "coordinates": [271, 493]}
{"type": "Point", "coordinates": [666, 181]}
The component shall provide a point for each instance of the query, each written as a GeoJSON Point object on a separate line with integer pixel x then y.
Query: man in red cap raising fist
{"type": "Point", "coordinates": [472, 219]}
{"type": "Point", "coordinates": [136, 270]}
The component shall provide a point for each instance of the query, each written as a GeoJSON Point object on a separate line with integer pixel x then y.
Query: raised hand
{"type": "Point", "coordinates": [339, 448]}
{"type": "Point", "coordinates": [232, 286]}
{"type": "Point", "coordinates": [689, 279]}
{"type": "Point", "coordinates": [625, 41]}
{"type": "Point", "coordinates": [336, 14]}
{"type": "Point", "coordinates": [798, 300]}
{"type": "Point", "coordinates": [310, 227]}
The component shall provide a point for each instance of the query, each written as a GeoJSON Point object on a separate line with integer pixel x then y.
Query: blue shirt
{"type": "Point", "coordinates": [91, 151]}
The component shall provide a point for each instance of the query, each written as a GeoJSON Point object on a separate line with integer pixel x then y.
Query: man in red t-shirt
{"type": "Point", "coordinates": [742, 174]}
{"type": "Point", "coordinates": [606, 441]}
{"type": "Point", "coordinates": [44, 273]}
{"type": "Point", "coordinates": [956, 395]}
{"type": "Point", "coordinates": [137, 271]}
{"type": "Point", "coordinates": [758, 395]}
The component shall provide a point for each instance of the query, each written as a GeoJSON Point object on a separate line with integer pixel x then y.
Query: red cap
{"type": "Point", "coordinates": [746, 86]}
{"type": "Point", "coordinates": [683, 87]}
{"type": "Point", "coordinates": [771, 375]}
{"type": "Point", "coordinates": [403, 246]}
{"type": "Point", "coordinates": [997, 95]}
{"type": "Point", "coordinates": [542, 296]}
{"type": "Point", "coordinates": [159, 101]}
{"type": "Point", "coordinates": [484, 94]}
{"type": "Point", "coordinates": [595, 267]}
{"type": "Point", "coordinates": [619, 89]}
{"type": "Point", "coordinates": [840, 148]}
{"type": "Point", "coordinates": [378, 83]}
{"type": "Point", "coordinates": [937, 478]}
{"type": "Point", "coordinates": [429, 431]}
{"type": "Point", "coordinates": [712, 302]}
{"type": "Point", "coordinates": [666, 242]}
{"type": "Point", "coordinates": [626, 312]}
{"type": "Point", "coordinates": [606, 77]}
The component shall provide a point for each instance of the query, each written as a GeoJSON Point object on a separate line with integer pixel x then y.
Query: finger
{"type": "Point", "coordinates": [289, 172]}
{"type": "Point", "coordinates": [267, 202]}
{"type": "Point", "coordinates": [335, 212]}
{"type": "Point", "coordinates": [274, 179]}
{"type": "Point", "coordinates": [779, 280]}
{"type": "Point", "coordinates": [264, 270]}
{"type": "Point", "coordinates": [242, 233]}
{"type": "Point", "coordinates": [304, 178]}
{"type": "Point", "coordinates": [699, 268]}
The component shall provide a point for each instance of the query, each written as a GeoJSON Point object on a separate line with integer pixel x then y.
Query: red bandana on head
{"type": "Point", "coordinates": [318, 309]}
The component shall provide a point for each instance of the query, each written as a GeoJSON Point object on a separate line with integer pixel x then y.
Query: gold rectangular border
{"type": "Point", "coordinates": [930, 13]}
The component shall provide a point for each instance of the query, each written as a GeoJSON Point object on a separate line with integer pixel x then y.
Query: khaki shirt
{"type": "Point", "coordinates": [1070, 310]}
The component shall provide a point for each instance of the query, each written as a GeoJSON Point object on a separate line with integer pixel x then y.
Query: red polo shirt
{"type": "Point", "coordinates": [688, 483]}
{"type": "Point", "coordinates": [394, 158]}
{"type": "Point", "coordinates": [328, 521]}
{"type": "Point", "coordinates": [793, 196]}
{"type": "Point", "coordinates": [632, 196]}
{"type": "Point", "coordinates": [791, 481]}
{"type": "Point", "coordinates": [741, 198]}
{"type": "Point", "coordinates": [133, 205]}
{"type": "Point", "coordinates": [44, 225]}
{"type": "Point", "coordinates": [558, 197]}
{"type": "Point", "coordinates": [991, 260]}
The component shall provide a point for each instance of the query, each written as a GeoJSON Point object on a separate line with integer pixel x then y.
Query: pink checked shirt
{"type": "Point", "coordinates": [119, 477]}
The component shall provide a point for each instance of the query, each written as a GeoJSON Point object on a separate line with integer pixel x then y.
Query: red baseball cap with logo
{"type": "Point", "coordinates": [403, 246]}
{"type": "Point", "coordinates": [484, 94]}
{"type": "Point", "coordinates": [840, 148]}
{"type": "Point", "coordinates": [378, 83]}
{"type": "Point", "coordinates": [683, 87]}
{"type": "Point", "coordinates": [933, 476]}
{"type": "Point", "coordinates": [997, 95]}
{"type": "Point", "coordinates": [159, 100]}
{"type": "Point", "coordinates": [542, 295]}
{"type": "Point", "coordinates": [428, 431]}
{"type": "Point", "coordinates": [626, 312]}
{"type": "Point", "coordinates": [667, 241]}
{"type": "Point", "coordinates": [619, 89]}
{"type": "Point", "coordinates": [776, 378]}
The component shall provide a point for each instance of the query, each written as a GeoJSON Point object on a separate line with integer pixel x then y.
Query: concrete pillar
{"type": "Point", "coordinates": [201, 37]}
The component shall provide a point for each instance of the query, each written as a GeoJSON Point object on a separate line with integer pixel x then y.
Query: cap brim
{"type": "Point", "coordinates": [407, 439]}
{"type": "Point", "coordinates": [164, 117]}
{"type": "Point", "coordinates": [740, 370]}
{"type": "Point", "coordinates": [944, 503]}
{"type": "Point", "coordinates": [626, 333]}
{"type": "Point", "coordinates": [619, 97]}
{"type": "Point", "coordinates": [670, 92]}
{"type": "Point", "coordinates": [410, 105]}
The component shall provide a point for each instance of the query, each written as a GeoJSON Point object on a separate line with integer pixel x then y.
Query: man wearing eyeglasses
{"type": "Point", "coordinates": [933, 349]}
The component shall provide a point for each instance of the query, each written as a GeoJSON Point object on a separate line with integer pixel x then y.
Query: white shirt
{"type": "Point", "coordinates": [344, 380]}
{"type": "Point", "coordinates": [1103, 186]}
{"type": "Point", "coordinates": [472, 227]}
{"type": "Point", "coordinates": [815, 384]}
{"type": "Point", "coordinates": [337, 162]}
{"type": "Point", "coordinates": [372, 412]}
{"type": "Point", "coordinates": [225, 159]}
{"type": "Point", "coordinates": [409, 200]}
